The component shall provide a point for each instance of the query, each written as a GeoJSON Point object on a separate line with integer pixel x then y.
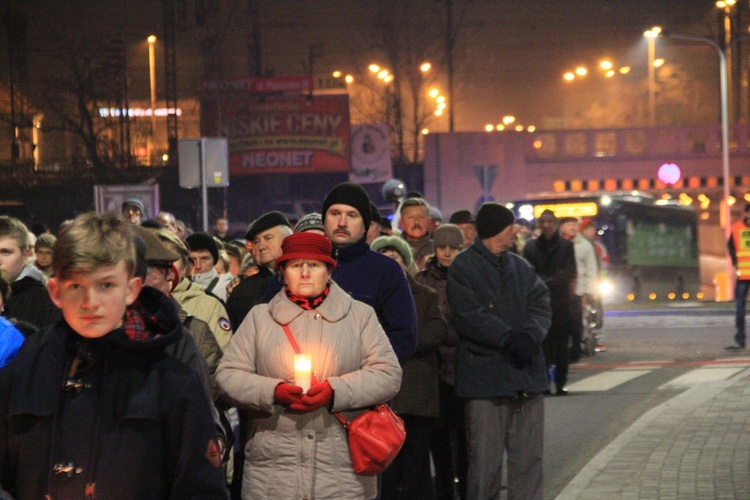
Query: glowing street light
{"type": "Point", "coordinates": [651, 38]}
{"type": "Point", "coordinates": [425, 67]}
{"type": "Point", "coordinates": [152, 79]}
{"type": "Point", "coordinates": [727, 212]}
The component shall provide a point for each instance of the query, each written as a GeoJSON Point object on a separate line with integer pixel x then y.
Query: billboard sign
{"type": "Point", "coordinates": [280, 134]}
{"type": "Point", "coordinates": [371, 153]}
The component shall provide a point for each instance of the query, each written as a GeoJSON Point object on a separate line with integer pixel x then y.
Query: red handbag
{"type": "Point", "coordinates": [375, 436]}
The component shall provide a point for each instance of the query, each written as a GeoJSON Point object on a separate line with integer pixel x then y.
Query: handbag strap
{"type": "Point", "coordinates": [339, 416]}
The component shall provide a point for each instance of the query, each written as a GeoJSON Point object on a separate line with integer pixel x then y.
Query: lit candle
{"type": "Point", "coordinates": [302, 371]}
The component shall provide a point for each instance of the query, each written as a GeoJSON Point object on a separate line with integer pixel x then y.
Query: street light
{"type": "Point", "coordinates": [726, 6]}
{"type": "Point", "coordinates": [651, 38]}
{"type": "Point", "coordinates": [727, 212]}
{"type": "Point", "coordinates": [152, 79]}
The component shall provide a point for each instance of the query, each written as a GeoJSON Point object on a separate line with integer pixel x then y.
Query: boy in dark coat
{"type": "Point", "coordinates": [29, 300]}
{"type": "Point", "coordinates": [92, 406]}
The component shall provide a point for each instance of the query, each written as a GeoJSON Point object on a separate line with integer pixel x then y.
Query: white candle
{"type": "Point", "coordinates": [302, 371]}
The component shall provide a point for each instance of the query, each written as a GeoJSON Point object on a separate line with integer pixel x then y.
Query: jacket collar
{"type": "Point", "coordinates": [496, 261]}
{"type": "Point", "coordinates": [351, 252]}
{"type": "Point", "coordinates": [333, 309]}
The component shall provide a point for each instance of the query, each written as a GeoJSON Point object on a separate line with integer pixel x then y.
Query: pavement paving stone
{"type": "Point", "coordinates": [696, 445]}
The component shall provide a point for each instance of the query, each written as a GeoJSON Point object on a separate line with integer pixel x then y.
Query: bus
{"type": "Point", "coordinates": [652, 244]}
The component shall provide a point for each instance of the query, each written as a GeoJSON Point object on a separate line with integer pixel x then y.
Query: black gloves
{"type": "Point", "coordinates": [521, 349]}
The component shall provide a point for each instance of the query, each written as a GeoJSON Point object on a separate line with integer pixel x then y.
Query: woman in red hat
{"type": "Point", "coordinates": [299, 449]}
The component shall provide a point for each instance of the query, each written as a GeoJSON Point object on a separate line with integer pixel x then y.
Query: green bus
{"type": "Point", "coordinates": [652, 244]}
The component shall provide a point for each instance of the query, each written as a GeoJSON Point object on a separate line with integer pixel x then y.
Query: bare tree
{"type": "Point", "coordinates": [82, 76]}
{"type": "Point", "coordinates": [412, 32]}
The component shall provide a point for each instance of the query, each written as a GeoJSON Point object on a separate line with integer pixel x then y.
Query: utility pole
{"type": "Point", "coordinates": [170, 78]}
{"type": "Point", "coordinates": [450, 45]}
{"type": "Point", "coordinates": [254, 53]}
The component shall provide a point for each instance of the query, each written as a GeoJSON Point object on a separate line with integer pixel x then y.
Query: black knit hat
{"type": "Point", "coordinates": [492, 218]}
{"type": "Point", "coordinates": [204, 241]}
{"type": "Point", "coordinates": [354, 195]}
{"type": "Point", "coordinates": [266, 221]}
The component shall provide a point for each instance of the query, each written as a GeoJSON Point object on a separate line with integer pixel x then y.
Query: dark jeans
{"type": "Point", "coordinates": [556, 348]}
{"type": "Point", "coordinates": [449, 445]}
{"type": "Point", "coordinates": [409, 475]}
{"type": "Point", "coordinates": [741, 288]}
{"type": "Point", "coordinates": [576, 327]}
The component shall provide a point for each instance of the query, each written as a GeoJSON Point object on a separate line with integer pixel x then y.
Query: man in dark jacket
{"type": "Point", "coordinates": [29, 300]}
{"type": "Point", "coordinates": [418, 401]}
{"type": "Point", "coordinates": [554, 259]}
{"type": "Point", "coordinates": [367, 276]}
{"type": "Point", "coordinates": [92, 406]}
{"type": "Point", "coordinates": [500, 309]}
{"type": "Point", "coordinates": [266, 234]}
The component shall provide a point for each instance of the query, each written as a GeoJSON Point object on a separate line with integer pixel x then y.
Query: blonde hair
{"type": "Point", "coordinates": [93, 241]}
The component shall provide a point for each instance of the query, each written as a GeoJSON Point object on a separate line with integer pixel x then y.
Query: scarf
{"type": "Point", "coordinates": [308, 303]}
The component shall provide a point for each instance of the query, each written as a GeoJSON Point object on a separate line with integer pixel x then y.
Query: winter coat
{"type": "Point", "coordinates": [128, 422]}
{"type": "Point", "coordinates": [587, 265]}
{"type": "Point", "coordinates": [379, 282]}
{"type": "Point", "coordinates": [555, 262]}
{"type": "Point", "coordinates": [420, 388]}
{"type": "Point", "coordinates": [421, 249]}
{"type": "Point", "coordinates": [10, 341]}
{"type": "Point", "coordinates": [306, 455]}
{"type": "Point", "coordinates": [248, 294]}
{"type": "Point", "coordinates": [490, 298]}
{"type": "Point", "coordinates": [196, 302]}
{"type": "Point", "coordinates": [436, 277]}
{"type": "Point", "coordinates": [29, 299]}
{"type": "Point", "coordinates": [204, 338]}
{"type": "Point", "coordinates": [214, 283]}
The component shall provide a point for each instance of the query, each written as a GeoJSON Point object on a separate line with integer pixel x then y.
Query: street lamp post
{"type": "Point", "coordinates": [727, 209]}
{"type": "Point", "coordinates": [152, 79]}
{"type": "Point", "coordinates": [651, 38]}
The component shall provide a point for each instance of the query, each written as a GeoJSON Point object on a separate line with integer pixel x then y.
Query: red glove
{"type": "Point", "coordinates": [316, 397]}
{"type": "Point", "coordinates": [287, 394]}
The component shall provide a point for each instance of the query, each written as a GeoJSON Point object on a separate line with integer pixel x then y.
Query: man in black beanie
{"type": "Point", "coordinates": [500, 309]}
{"type": "Point", "coordinates": [204, 254]}
{"type": "Point", "coordinates": [367, 276]}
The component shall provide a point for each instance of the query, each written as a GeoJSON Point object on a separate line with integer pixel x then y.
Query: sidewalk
{"type": "Point", "coordinates": [696, 445]}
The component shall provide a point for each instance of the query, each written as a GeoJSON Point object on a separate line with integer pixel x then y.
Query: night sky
{"type": "Point", "coordinates": [510, 54]}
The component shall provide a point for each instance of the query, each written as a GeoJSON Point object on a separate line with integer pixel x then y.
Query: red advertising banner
{"type": "Point", "coordinates": [281, 134]}
{"type": "Point", "coordinates": [258, 85]}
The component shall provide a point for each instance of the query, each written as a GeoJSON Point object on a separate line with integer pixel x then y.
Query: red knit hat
{"type": "Point", "coordinates": [306, 245]}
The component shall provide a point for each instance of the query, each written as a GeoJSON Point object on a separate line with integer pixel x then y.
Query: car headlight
{"type": "Point", "coordinates": [606, 287]}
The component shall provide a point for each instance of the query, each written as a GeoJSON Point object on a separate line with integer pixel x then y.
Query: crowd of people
{"type": "Point", "coordinates": [140, 359]}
